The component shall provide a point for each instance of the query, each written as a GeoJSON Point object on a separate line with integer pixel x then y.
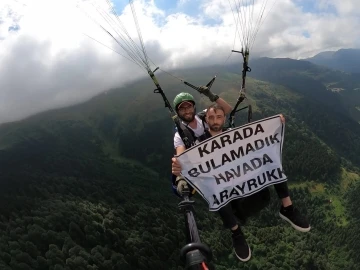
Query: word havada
{"type": "Point", "coordinates": [228, 140]}
{"type": "Point", "coordinates": [256, 163]}
{"type": "Point", "coordinates": [250, 186]}
{"type": "Point", "coordinates": [234, 155]}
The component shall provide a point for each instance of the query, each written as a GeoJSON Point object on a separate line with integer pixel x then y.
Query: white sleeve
{"type": "Point", "coordinates": [177, 140]}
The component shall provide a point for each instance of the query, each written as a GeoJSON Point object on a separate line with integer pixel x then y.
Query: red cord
{"type": "Point", "coordinates": [204, 266]}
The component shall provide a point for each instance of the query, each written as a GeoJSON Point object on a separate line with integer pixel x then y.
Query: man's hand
{"type": "Point", "coordinates": [176, 167]}
{"type": "Point", "coordinates": [180, 181]}
{"type": "Point", "coordinates": [180, 186]}
{"type": "Point", "coordinates": [282, 118]}
{"type": "Point", "coordinates": [206, 91]}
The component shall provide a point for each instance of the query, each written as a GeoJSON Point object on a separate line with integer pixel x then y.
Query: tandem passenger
{"type": "Point", "coordinates": [215, 119]}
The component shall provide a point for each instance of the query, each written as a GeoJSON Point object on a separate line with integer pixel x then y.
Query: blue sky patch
{"type": "Point", "coordinates": [119, 5]}
{"type": "Point", "coordinates": [312, 6]}
{"type": "Point", "coordinates": [191, 8]}
{"type": "Point", "coordinates": [166, 5]}
{"type": "Point", "coordinates": [306, 34]}
{"type": "Point", "coordinates": [14, 28]}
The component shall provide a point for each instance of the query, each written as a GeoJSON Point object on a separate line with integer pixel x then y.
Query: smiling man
{"type": "Point", "coordinates": [185, 107]}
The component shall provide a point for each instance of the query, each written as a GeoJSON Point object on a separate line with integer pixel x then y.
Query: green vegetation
{"type": "Point", "coordinates": [88, 187]}
{"type": "Point", "coordinates": [333, 89]}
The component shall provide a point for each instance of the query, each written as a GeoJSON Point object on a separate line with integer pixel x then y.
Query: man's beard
{"type": "Point", "coordinates": [188, 117]}
{"type": "Point", "coordinates": [215, 128]}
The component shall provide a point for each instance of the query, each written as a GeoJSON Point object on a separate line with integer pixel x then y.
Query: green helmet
{"type": "Point", "coordinates": [183, 97]}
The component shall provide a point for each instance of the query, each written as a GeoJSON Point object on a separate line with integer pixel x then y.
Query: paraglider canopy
{"type": "Point", "coordinates": [249, 16]}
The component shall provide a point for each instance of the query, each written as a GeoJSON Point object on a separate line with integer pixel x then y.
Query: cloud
{"type": "Point", "coordinates": [50, 55]}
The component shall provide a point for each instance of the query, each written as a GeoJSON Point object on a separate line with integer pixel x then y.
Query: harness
{"type": "Point", "coordinates": [188, 133]}
{"type": "Point", "coordinates": [188, 137]}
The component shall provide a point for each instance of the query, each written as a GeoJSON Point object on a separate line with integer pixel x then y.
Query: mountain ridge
{"type": "Point", "coordinates": [345, 59]}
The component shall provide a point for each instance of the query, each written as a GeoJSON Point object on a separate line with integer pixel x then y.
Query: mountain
{"type": "Point", "coordinates": [336, 90]}
{"type": "Point", "coordinates": [346, 60]}
{"type": "Point", "coordinates": [88, 186]}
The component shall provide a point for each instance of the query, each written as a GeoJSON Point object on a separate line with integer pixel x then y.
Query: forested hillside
{"type": "Point", "coordinates": [337, 90]}
{"type": "Point", "coordinates": [88, 187]}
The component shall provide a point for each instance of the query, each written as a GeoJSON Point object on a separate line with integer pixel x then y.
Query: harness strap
{"type": "Point", "coordinates": [187, 134]}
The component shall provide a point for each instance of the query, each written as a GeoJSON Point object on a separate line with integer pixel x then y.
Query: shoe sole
{"type": "Point", "coordinates": [246, 259]}
{"type": "Point", "coordinates": [293, 225]}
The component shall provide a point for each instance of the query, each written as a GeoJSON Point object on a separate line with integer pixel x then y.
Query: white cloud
{"type": "Point", "coordinates": [50, 62]}
{"type": "Point", "coordinates": [346, 8]}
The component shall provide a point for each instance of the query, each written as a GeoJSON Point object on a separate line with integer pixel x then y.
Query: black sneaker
{"type": "Point", "coordinates": [293, 216]}
{"type": "Point", "coordinates": [241, 248]}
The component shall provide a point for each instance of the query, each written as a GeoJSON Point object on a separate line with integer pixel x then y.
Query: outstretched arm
{"type": "Point", "coordinates": [227, 107]}
{"type": "Point", "coordinates": [215, 98]}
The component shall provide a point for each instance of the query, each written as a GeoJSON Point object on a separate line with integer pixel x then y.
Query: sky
{"type": "Point", "coordinates": [55, 53]}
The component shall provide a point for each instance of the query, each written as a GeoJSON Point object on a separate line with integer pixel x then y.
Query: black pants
{"type": "Point", "coordinates": [227, 212]}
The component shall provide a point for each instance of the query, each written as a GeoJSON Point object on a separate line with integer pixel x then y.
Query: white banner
{"type": "Point", "coordinates": [236, 163]}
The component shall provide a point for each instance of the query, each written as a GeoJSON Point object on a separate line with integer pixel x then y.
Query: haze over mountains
{"type": "Point", "coordinates": [344, 59]}
{"type": "Point", "coordinates": [331, 70]}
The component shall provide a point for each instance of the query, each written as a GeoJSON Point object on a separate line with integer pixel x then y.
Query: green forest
{"type": "Point", "coordinates": [88, 186]}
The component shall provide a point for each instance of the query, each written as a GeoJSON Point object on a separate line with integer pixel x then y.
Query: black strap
{"type": "Point", "coordinates": [246, 68]}
{"type": "Point", "coordinates": [204, 136]}
{"type": "Point", "coordinates": [187, 135]}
